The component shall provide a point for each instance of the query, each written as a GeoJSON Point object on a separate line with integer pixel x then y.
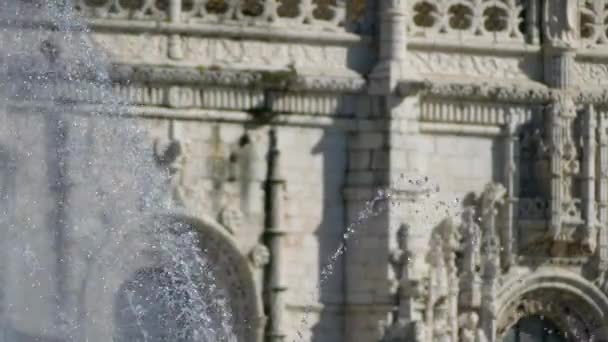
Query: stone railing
{"type": "Point", "coordinates": [503, 21]}
{"type": "Point", "coordinates": [593, 24]}
{"type": "Point", "coordinates": [327, 15]}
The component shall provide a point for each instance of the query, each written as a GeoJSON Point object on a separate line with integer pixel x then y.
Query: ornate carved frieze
{"type": "Point", "coordinates": [590, 74]}
{"type": "Point", "coordinates": [531, 93]}
{"type": "Point", "coordinates": [217, 51]}
{"type": "Point", "coordinates": [523, 66]}
{"type": "Point", "coordinates": [250, 91]}
{"type": "Point", "coordinates": [473, 112]}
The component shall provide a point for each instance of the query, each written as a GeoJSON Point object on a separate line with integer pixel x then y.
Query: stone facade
{"type": "Point", "coordinates": [396, 170]}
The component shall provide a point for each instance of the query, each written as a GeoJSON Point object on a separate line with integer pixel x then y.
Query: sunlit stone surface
{"type": "Point", "coordinates": [321, 170]}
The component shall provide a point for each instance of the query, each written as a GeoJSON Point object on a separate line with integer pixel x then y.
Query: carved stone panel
{"type": "Point", "coordinates": [502, 67]}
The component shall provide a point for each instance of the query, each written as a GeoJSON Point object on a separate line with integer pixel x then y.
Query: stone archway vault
{"type": "Point", "coordinates": [573, 303]}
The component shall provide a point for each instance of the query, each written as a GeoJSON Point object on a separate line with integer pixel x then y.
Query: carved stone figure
{"type": "Point", "coordinates": [259, 255]}
{"type": "Point", "coordinates": [471, 234]}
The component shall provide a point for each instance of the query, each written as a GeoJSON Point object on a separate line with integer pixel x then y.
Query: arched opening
{"type": "Point", "coordinates": [535, 328]}
{"type": "Point", "coordinates": [565, 300]}
{"type": "Point", "coordinates": [149, 306]}
{"type": "Point", "coordinates": [147, 309]}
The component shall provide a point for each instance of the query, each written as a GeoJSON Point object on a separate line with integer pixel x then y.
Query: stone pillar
{"type": "Point", "coordinates": [556, 142]}
{"type": "Point", "coordinates": [509, 236]}
{"type": "Point", "coordinates": [385, 152]}
{"type": "Point", "coordinates": [175, 40]}
{"type": "Point", "coordinates": [532, 24]}
{"type": "Point", "coordinates": [561, 35]}
{"type": "Point", "coordinates": [602, 194]}
{"type": "Point", "coordinates": [588, 177]}
{"type": "Point", "coordinates": [393, 47]}
{"type": "Point", "coordinates": [274, 283]}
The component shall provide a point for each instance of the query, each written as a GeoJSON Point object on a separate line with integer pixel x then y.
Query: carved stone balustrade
{"type": "Point", "coordinates": [494, 20]}
{"type": "Point", "coordinates": [313, 14]}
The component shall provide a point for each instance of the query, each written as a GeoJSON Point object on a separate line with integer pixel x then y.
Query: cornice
{"type": "Point", "coordinates": [521, 92]}
{"type": "Point", "coordinates": [516, 92]}
{"type": "Point", "coordinates": [285, 79]}
{"type": "Point", "coordinates": [288, 33]}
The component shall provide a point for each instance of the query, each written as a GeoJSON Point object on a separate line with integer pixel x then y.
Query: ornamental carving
{"type": "Point", "coordinates": [492, 19]}
{"type": "Point", "coordinates": [317, 14]}
{"type": "Point", "coordinates": [442, 63]}
{"type": "Point", "coordinates": [592, 22]}
{"type": "Point", "coordinates": [227, 52]}
{"type": "Point", "coordinates": [564, 309]}
{"type": "Point", "coordinates": [591, 74]}
{"type": "Point", "coordinates": [558, 162]}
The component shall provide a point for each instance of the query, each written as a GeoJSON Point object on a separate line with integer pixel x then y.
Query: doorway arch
{"type": "Point", "coordinates": [228, 270]}
{"type": "Point", "coordinates": [564, 299]}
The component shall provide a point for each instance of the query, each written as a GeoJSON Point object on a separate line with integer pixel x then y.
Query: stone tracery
{"type": "Point", "coordinates": [474, 18]}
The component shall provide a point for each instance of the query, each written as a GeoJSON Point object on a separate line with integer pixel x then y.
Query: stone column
{"type": "Point", "coordinates": [588, 177]}
{"type": "Point", "coordinates": [274, 283]}
{"type": "Point", "coordinates": [556, 142]}
{"type": "Point", "coordinates": [392, 47]}
{"type": "Point", "coordinates": [602, 194]}
{"type": "Point", "coordinates": [532, 24]}
{"type": "Point", "coordinates": [175, 40]}
{"type": "Point", "coordinates": [389, 153]}
{"type": "Point", "coordinates": [509, 236]}
{"type": "Point", "coordinates": [561, 35]}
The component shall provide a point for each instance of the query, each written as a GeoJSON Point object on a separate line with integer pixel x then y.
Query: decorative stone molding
{"type": "Point", "coordinates": [516, 92]}
{"type": "Point", "coordinates": [551, 286]}
{"type": "Point", "coordinates": [562, 308]}
{"type": "Point", "coordinates": [473, 112]}
{"type": "Point", "coordinates": [253, 79]}
{"type": "Point", "coordinates": [485, 65]}
{"type": "Point", "coordinates": [508, 93]}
